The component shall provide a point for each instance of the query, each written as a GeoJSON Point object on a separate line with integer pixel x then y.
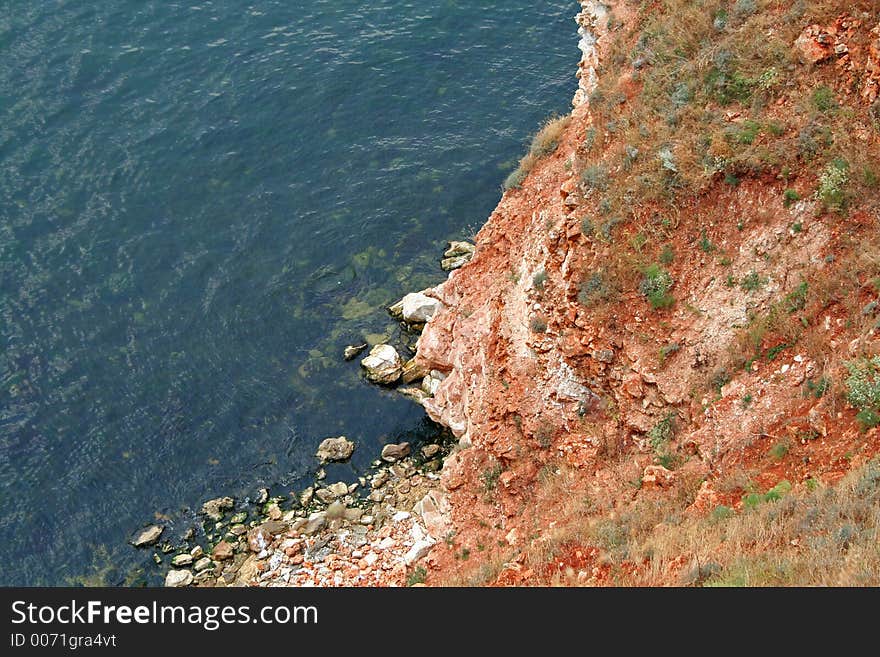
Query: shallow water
{"type": "Point", "coordinates": [201, 204]}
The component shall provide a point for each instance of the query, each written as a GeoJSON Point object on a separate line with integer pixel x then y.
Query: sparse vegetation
{"type": "Point", "coordinates": [545, 141]}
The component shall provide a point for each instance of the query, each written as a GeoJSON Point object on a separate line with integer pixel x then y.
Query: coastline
{"type": "Point", "coordinates": [380, 538]}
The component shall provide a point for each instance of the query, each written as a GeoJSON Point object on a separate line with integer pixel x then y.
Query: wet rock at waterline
{"type": "Point", "coordinates": [457, 255]}
{"type": "Point", "coordinates": [148, 536]}
{"type": "Point", "coordinates": [418, 308]}
{"type": "Point", "coordinates": [181, 560]}
{"type": "Point", "coordinates": [335, 449]}
{"type": "Point", "coordinates": [352, 351]}
{"type": "Point", "coordinates": [383, 365]}
{"type": "Point", "coordinates": [176, 578]}
{"type": "Point", "coordinates": [413, 371]}
{"type": "Point", "coordinates": [458, 249]}
{"type": "Point", "coordinates": [214, 508]}
{"type": "Point", "coordinates": [395, 452]}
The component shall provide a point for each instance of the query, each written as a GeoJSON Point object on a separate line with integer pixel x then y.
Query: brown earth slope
{"type": "Point", "coordinates": [660, 324]}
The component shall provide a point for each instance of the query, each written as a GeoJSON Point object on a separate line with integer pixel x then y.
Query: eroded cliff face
{"type": "Point", "coordinates": [557, 365]}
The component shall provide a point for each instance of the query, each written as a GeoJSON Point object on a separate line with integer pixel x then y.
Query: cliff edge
{"type": "Point", "coordinates": [669, 326]}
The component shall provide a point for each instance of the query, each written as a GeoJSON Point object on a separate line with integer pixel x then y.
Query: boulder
{"type": "Point", "coordinates": [448, 264]}
{"type": "Point", "coordinates": [148, 536]}
{"type": "Point", "coordinates": [177, 578]}
{"type": "Point", "coordinates": [335, 449]}
{"type": "Point", "coordinates": [814, 45]}
{"type": "Point", "coordinates": [395, 452]}
{"type": "Point", "coordinates": [418, 308]}
{"type": "Point", "coordinates": [383, 365]}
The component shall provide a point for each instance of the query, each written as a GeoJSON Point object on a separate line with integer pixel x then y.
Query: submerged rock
{"type": "Point", "coordinates": [177, 578]}
{"type": "Point", "coordinates": [148, 536]}
{"type": "Point", "coordinates": [383, 365]}
{"type": "Point", "coordinates": [214, 508]}
{"type": "Point", "coordinates": [335, 449]}
{"type": "Point", "coordinates": [351, 351]}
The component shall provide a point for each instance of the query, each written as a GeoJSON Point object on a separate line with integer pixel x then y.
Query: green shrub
{"type": "Point", "coordinates": [595, 177]}
{"type": "Point", "coordinates": [790, 196]}
{"type": "Point", "coordinates": [832, 185]}
{"type": "Point", "coordinates": [824, 99]}
{"type": "Point", "coordinates": [539, 280]}
{"type": "Point", "coordinates": [655, 286]}
{"type": "Point", "coordinates": [863, 390]}
{"type": "Point", "coordinates": [752, 282]}
{"type": "Point", "coordinates": [417, 576]}
{"type": "Point", "coordinates": [538, 324]}
{"type": "Point", "coordinates": [593, 289]}
{"type": "Point", "coordinates": [660, 435]}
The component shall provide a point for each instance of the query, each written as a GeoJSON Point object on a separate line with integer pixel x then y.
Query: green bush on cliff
{"type": "Point", "coordinates": [655, 286]}
{"type": "Point", "coordinates": [863, 389]}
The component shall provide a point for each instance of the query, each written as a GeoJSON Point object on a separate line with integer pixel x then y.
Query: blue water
{"type": "Point", "coordinates": [201, 204]}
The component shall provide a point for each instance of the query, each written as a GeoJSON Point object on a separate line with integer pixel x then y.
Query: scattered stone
{"type": "Point", "coordinates": [351, 351]}
{"type": "Point", "coordinates": [315, 523]}
{"type": "Point", "coordinates": [335, 510]}
{"type": "Point", "coordinates": [449, 264]}
{"type": "Point", "coordinates": [321, 474]}
{"type": "Point", "coordinates": [196, 552]}
{"type": "Point", "coordinates": [417, 551]}
{"type": "Point", "coordinates": [394, 452]}
{"type": "Point", "coordinates": [400, 516]}
{"type": "Point", "coordinates": [148, 536]}
{"type": "Point", "coordinates": [379, 479]}
{"type": "Point", "coordinates": [274, 512]}
{"type": "Point", "coordinates": [335, 449]}
{"type": "Point", "coordinates": [203, 564]}
{"type": "Point", "coordinates": [326, 495]}
{"type": "Point", "coordinates": [223, 551]}
{"type": "Point", "coordinates": [429, 451]}
{"type": "Point", "coordinates": [367, 520]}
{"type": "Point", "coordinates": [340, 488]}
{"type": "Point", "coordinates": [306, 497]}
{"type": "Point", "coordinates": [180, 560]}
{"type": "Point", "coordinates": [239, 518]}
{"type": "Point", "coordinates": [457, 255]}
{"type": "Point", "coordinates": [214, 508]}
{"type": "Point", "coordinates": [178, 578]}
{"type": "Point", "coordinates": [262, 496]}
{"type": "Point", "coordinates": [433, 510]}
{"type": "Point", "coordinates": [238, 530]}
{"type": "Point", "coordinates": [259, 538]}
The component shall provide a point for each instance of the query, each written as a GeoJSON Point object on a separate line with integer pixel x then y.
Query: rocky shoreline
{"type": "Point", "coordinates": [379, 530]}
{"type": "Point", "coordinates": [372, 532]}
